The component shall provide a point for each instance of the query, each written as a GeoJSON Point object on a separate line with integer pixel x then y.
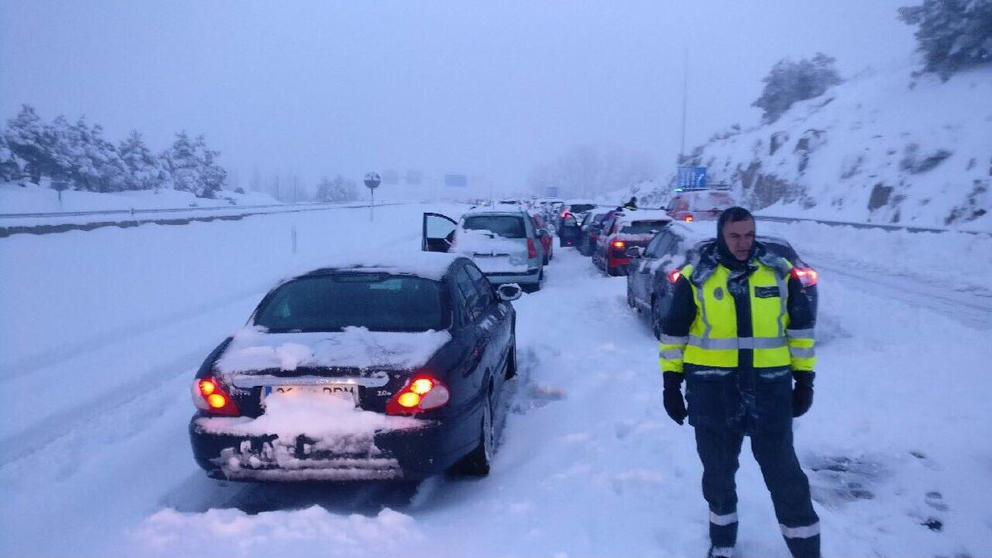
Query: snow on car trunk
{"type": "Point", "coordinates": [491, 252]}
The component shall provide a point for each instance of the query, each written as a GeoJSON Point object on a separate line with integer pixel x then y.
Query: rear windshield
{"type": "Point", "coordinates": [379, 302]}
{"type": "Point", "coordinates": [582, 207]}
{"type": "Point", "coordinates": [507, 226]}
{"type": "Point", "coordinates": [712, 200]}
{"type": "Point", "coordinates": [643, 227]}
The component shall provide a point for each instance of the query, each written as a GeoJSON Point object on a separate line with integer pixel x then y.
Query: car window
{"type": "Point", "coordinates": [469, 295]}
{"type": "Point", "coordinates": [482, 286]}
{"type": "Point", "coordinates": [376, 301]}
{"type": "Point", "coordinates": [673, 248]}
{"type": "Point", "coordinates": [508, 226]}
{"type": "Point", "coordinates": [643, 227]}
{"type": "Point", "coordinates": [652, 250]}
{"type": "Point", "coordinates": [582, 207]}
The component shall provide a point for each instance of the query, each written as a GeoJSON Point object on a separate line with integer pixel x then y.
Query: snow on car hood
{"type": "Point", "coordinates": [255, 350]}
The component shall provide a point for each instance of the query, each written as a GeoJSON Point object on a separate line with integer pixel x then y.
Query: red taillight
{"type": "Point", "coordinates": [618, 244]}
{"type": "Point", "coordinates": [422, 393]}
{"type": "Point", "coordinates": [673, 276]}
{"type": "Point", "coordinates": [531, 249]}
{"type": "Point", "coordinates": [209, 396]}
{"type": "Point", "coordinates": [565, 214]}
{"type": "Point", "coordinates": [806, 276]}
{"type": "Point", "coordinates": [689, 219]}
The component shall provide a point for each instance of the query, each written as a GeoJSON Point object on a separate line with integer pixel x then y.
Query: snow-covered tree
{"type": "Point", "coordinates": [212, 175]}
{"type": "Point", "coordinates": [193, 166]}
{"type": "Point", "coordinates": [145, 170]}
{"type": "Point", "coordinates": [91, 162]}
{"type": "Point", "coordinates": [789, 82]}
{"type": "Point", "coordinates": [951, 34]}
{"type": "Point", "coordinates": [338, 190]}
{"type": "Point", "coordinates": [33, 142]}
{"type": "Point", "coordinates": [11, 166]}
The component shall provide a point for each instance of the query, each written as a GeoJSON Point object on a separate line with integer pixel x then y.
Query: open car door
{"type": "Point", "coordinates": [438, 232]}
{"type": "Point", "coordinates": [569, 233]}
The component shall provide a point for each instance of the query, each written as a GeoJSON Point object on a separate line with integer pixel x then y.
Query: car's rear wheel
{"type": "Point", "coordinates": [478, 463]}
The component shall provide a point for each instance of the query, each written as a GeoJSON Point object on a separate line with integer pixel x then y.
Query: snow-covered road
{"type": "Point", "coordinates": [101, 332]}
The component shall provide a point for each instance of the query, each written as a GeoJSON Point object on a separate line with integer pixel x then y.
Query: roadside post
{"type": "Point", "coordinates": [372, 181]}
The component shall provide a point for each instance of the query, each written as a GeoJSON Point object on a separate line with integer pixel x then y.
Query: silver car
{"type": "Point", "coordinates": [503, 243]}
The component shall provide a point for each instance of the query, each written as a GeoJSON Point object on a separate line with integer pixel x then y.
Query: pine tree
{"type": "Point", "coordinates": [93, 163]}
{"type": "Point", "coordinates": [33, 142]}
{"type": "Point", "coordinates": [183, 164]}
{"type": "Point", "coordinates": [789, 82]}
{"type": "Point", "coordinates": [145, 170]}
{"type": "Point", "coordinates": [951, 34]}
{"type": "Point", "coordinates": [212, 175]}
{"type": "Point", "coordinates": [11, 166]}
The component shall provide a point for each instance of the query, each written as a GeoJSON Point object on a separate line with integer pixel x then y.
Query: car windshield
{"type": "Point", "coordinates": [582, 207]}
{"type": "Point", "coordinates": [507, 226]}
{"type": "Point", "coordinates": [379, 302]}
{"type": "Point", "coordinates": [643, 227]}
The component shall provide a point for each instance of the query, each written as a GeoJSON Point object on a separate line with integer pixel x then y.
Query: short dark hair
{"type": "Point", "coordinates": [732, 215]}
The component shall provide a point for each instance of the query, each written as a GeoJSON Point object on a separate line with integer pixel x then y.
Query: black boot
{"type": "Point", "coordinates": [720, 552]}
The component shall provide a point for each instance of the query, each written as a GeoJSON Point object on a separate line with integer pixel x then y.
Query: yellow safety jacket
{"type": "Point", "coordinates": [713, 339]}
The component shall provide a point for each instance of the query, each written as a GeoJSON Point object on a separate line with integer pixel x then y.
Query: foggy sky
{"type": "Point", "coordinates": [479, 87]}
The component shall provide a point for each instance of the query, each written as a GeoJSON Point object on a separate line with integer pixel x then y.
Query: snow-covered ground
{"type": "Point", "coordinates": [101, 331]}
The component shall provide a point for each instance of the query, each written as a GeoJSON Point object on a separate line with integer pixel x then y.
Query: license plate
{"type": "Point", "coordinates": [344, 391]}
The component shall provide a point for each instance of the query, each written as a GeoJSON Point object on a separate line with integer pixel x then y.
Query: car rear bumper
{"type": "Point", "coordinates": [532, 277]}
{"type": "Point", "coordinates": [411, 453]}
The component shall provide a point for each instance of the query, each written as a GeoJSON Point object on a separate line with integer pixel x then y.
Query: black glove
{"type": "Point", "coordinates": [802, 393]}
{"type": "Point", "coordinates": [674, 404]}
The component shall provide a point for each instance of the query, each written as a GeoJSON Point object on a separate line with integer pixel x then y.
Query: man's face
{"type": "Point", "coordinates": [739, 236]}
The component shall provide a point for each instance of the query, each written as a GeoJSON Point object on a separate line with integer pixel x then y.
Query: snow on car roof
{"type": "Point", "coordinates": [694, 232]}
{"type": "Point", "coordinates": [429, 265]}
{"type": "Point", "coordinates": [631, 215]}
{"type": "Point", "coordinates": [507, 210]}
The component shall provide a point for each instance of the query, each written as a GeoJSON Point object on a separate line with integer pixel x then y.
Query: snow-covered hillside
{"type": "Point", "coordinates": [884, 147]}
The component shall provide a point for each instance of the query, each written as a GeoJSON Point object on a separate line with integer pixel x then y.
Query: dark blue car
{"type": "Point", "coordinates": [361, 372]}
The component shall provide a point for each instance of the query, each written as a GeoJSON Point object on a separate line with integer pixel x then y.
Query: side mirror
{"type": "Point", "coordinates": [634, 252]}
{"type": "Point", "coordinates": [508, 292]}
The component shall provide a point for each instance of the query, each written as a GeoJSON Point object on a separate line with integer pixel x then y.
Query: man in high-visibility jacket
{"type": "Point", "coordinates": [740, 332]}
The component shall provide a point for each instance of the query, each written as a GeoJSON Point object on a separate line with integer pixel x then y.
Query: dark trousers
{"type": "Point", "coordinates": [788, 485]}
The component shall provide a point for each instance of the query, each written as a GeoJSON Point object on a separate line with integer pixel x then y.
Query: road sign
{"type": "Point", "coordinates": [692, 178]}
{"type": "Point", "coordinates": [372, 180]}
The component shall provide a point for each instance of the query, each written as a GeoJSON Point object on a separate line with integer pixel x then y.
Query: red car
{"type": "Point", "coordinates": [699, 205]}
{"type": "Point", "coordinates": [623, 231]}
{"type": "Point", "coordinates": [546, 240]}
